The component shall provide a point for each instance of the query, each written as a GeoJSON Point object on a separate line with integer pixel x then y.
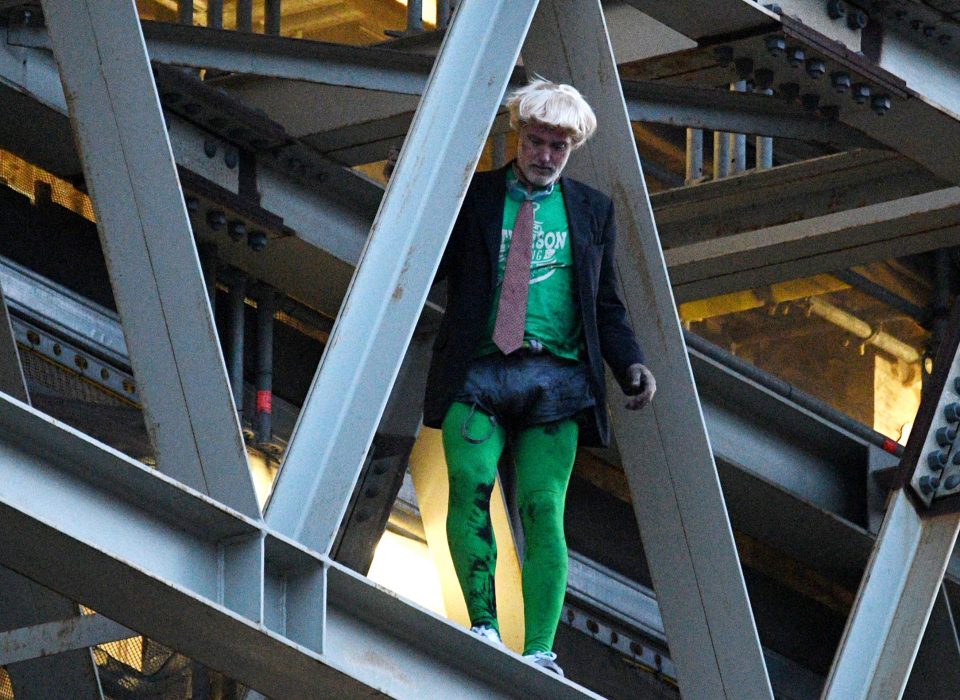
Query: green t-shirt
{"type": "Point", "coordinates": [553, 316]}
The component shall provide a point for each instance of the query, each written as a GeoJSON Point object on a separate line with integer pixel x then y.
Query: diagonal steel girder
{"type": "Point", "coordinates": [665, 449]}
{"type": "Point", "coordinates": [907, 565]}
{"type": "Point", "coordinates": [146, 236]}
{"type": "Point", "coordinates": [385, 298]}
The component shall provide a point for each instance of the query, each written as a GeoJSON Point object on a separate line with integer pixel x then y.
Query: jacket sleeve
{"type": "Point", "coordinates": [618, 343]}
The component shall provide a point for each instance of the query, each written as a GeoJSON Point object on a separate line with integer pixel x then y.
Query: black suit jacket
{"type": "Point", "coordinates": [469, 265]}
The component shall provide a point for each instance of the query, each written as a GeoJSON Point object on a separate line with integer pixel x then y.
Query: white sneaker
{"type": "Point", "coordinates": [546, 659]}
{"type": "Point", "coordinates": [488, 633]}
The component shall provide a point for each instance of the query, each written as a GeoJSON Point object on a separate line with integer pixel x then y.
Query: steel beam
{"type": "Point", "coordinates": [930, 92]}
{"type": "Point", "coordinates": [12, 381]}
{"type": "Point", "coordinates": [51, 638]}
{"type": "Point", "coordinates": [908, 562]}
{"type": "Point", "coordinates": [223, 588]}
{"type": "Point", "coordinates": [145, 232]}
{"type": "Point", "coordinates": [893, 605]}
{"type": "Point", "coordinates": [900, 227]}
{"type": "Point", "coordinates": [23, 602]}
{"type": "Point", "coordinates": [936, 673]}
{"type": "Point", "coordinates": [387, 293]}
{"type": "Point", "coordinates": [714, 109]}
{"type": "Point", "coordinates": [665, 449]}
{"type": "Point", "coordinates": [294, 59]}
{"type": "Point", "coordinates": [403, 73]}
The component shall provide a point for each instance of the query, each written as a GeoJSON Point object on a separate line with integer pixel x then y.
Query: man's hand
{"type": "Point", "coordinates": [642, 386]}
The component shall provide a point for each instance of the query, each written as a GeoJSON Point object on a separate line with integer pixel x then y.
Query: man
{"type": "Point", "coordinates": [532, 312]}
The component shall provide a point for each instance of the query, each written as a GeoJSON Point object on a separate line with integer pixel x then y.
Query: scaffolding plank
{"type": "Point", "coordinates": [389, 288]}
{"type": "Point", "coordinates": [665, 450]}
{"type": "Point", "coordinates": [146, 237]}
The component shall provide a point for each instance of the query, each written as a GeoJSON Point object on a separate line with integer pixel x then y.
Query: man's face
{"type": "Point", "coordinates": [542, 153]}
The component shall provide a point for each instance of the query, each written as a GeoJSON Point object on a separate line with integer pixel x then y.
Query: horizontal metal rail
{"type": "Point", "coordinates": [792, 393]}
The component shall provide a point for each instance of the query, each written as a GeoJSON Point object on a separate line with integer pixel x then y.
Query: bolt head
{"type": "Point", "coordinates": [836, 9]}
{"type": "Point", "coordinates": [776, 45]}
{"type": "Point", "coordinates": [816, 68]}
{"type": "Point", "coordinates": [216, 219]}
{"type": "Point", "coordinates": [860, 93]}
{"type": "Point", "coordinates": [237, 230]}
{"type": "Point", "coordinates": [257, 240]}
{"type": "Point", "coordinates": [881, 104]}
{"type": "Point", "coordinates": [857, 20]}
{"type": "Point", "coordinates": [796, 56]}
{"type": "Point", "coordinates": [840, 81]}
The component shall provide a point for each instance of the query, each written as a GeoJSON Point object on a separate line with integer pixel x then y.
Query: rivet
{"type": "Point", "coordinates": [816, 68]}
{"type": "Point", "coordinates": [216, 219]}
{"type": "Point", "coordinates": [881, 104]}
{"type": "Point", "coordinates": [857, 20]}
{"type": "Point", "coordinates": [841, 81]}
{"type": "Point", "coordinates": [776, 45]}
{"type": "Point", "coordinates": [257, 240]}
{"type": "Point", "coordinates": [237, 230]}
{"type": "Point", "coordinates": [836, 9]}
{"type": "Point", "coordinates": [860, 93]}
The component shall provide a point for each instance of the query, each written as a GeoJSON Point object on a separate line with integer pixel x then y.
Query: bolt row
{"type": "Point", "coordinates": [939, 459]}
{"type": "Point", "coordinates": [762, 79]}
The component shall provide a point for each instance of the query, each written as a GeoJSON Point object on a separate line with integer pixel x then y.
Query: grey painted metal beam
{"type": "Point", "coordinates": [893, 605]}
{"type": "Point", "coordinates": [22, 602]}
{"type": "Point", "coordinates": [676, 104]}
{"type": "Point", "coordinates": [11, 371]}
{"type": "Point", "coordinates": [390, 286]}
{"type": "Point", "coordinates": [931, 81]}
{"type": "Point", "coordinates": [222, 588]}
{"type": "Point", "coordinates": [665, 449]}
{"type": "Point", "coordinates": [145, 232]}
{"type": "Point", "coordinates": [908, 562]}
{"type": "Point", "coordinates": [51, 638]}
{"type": "Point", "coordinates": [66, 676]}
{"type": "Point", "coordinates": [900, 227]}
{"type": "Point", "coordinates": [294, 59]}
{"type": "Point", "coordinates": [397, 72]}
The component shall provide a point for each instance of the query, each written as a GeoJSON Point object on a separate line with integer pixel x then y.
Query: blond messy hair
{"type": "Point", "coordinates": [552, 104]}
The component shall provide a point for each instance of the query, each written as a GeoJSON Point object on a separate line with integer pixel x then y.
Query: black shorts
{"type": "Point", "coordinates": [526, 388]}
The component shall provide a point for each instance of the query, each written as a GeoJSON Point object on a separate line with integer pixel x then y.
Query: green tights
{"type": "Point", "coordinates": [544, 457]}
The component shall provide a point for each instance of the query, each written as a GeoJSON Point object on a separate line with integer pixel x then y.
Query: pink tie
{"type": "Point", "coordinates": [512, 311]}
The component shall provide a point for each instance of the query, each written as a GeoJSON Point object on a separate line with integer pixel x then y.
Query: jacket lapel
{"type": "Point", "coordinates": [578, 219]}
{"type": "Point", "coordinates": [490, 214]}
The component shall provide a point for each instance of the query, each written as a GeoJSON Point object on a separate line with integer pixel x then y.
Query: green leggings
{"type": "Point", "coordinates": [544, 457]}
